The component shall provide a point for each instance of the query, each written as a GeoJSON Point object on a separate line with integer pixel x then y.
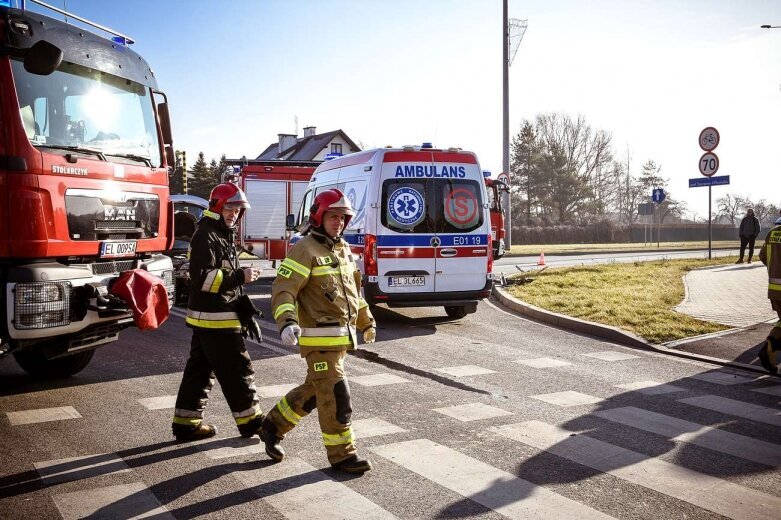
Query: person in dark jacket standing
{"type": "Point", "coordinates": [217, 347]}
{"type": "Point", "coordinates": [749, 230]}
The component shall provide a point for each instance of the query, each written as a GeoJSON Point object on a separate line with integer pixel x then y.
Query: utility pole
{"type": "Point", "coordinates": [512, 34]}
{"type": "Point", "coordinates": [182, 155]}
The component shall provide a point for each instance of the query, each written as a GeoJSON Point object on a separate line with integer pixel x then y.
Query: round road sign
{"type": "Point", "coordinates": [503, 177]}
{"type": "Point", "coordinates": [709, 139]}
{"type": "Point", "coordinates": [709, 164]}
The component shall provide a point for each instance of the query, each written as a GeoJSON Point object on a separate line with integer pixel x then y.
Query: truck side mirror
{"type": "Point", "coordinates": [165, 123]}
{"type": "Point", "coordinates": [290, 222]}
{"type": "Point", "coordinates": [43, 58]}
{"type": "Point", "coordinates": [169, 157]}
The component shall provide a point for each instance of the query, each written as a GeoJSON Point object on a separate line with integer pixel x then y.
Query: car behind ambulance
{"type": "Point", "coordinates": [421, 232]}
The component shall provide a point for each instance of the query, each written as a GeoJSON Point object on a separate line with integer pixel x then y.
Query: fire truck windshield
{"type": "Point", "coordinates": [77, 109]}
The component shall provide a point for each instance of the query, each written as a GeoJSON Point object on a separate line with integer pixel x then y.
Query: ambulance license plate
{"type": "Point", "coordinates": [117, 249]}
{"type": "Point", "coordinates": [402, 281]}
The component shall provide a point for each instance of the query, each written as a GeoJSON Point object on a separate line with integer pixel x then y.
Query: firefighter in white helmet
{"type": "Point", "coordinates": [317, 304]}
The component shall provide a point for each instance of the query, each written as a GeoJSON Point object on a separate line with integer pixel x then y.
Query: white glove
{"type": "Point", "coordinates": [369, 335]}
{"type": "Point", "coordinates": [250, 274]}
{"type": "Point", "coordinates": [290, 334]}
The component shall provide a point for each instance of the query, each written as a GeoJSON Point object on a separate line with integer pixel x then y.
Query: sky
{"type": "Point", "coordinates": [652, 73]}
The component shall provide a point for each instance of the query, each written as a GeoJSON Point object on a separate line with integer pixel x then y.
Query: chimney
{"type": "Point", "coordinates": [309, 131]}
{"type": "Point", "coordinates": [286, 141]}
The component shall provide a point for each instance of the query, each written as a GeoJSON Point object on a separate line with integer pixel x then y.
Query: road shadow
{"type": "Point", "coordinates": [624, 431]}
{"type": "Point", "coordinates": [740, 345]}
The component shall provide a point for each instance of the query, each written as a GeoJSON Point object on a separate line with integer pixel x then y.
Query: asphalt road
{"type": "Point", "coordinates": [492, 416]}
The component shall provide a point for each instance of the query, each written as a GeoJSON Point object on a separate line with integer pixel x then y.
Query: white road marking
{"type": "Point", "coordinates": [310, 493]}
{"type": "Point", "coordinates": [237, 446]}
{"type": "Point", "coordinates": [276, 390]}
{"type": "Point", "coordinates": [714, 439]}
{"type": "Point", "coordinates": [465, 370]}
{"type": "Point", "coordinates": [472, 412]}
{"type": "Point", "coordinates": [78, 468]}
{"type": "Point", "coordinates": [568, 398]}
{"type": "Point", "coordinates": [770, 390]}
{"type": "Point", "coordinates": [158, 403]}
{"type": "Point", "coordinates": [651, 387]}
{"type": "Point", "coordinates": [378, 380]}
{"type": "Point", "coordinates": [711, 493]}
{"type": "Point", "coordinates": [720, 377]}
{"type": "Point", "coordinates": [736, 408]}
{"type": "Point", "coordinates": [489, 486]}
{"type": "Point", "coordinates": [373, 427]}
{"type": "Point", "coordinates": [123, 501]}
{"type": "Point", "coordinates": [61, 413]}
{"type": "Point", "coordinates": [611, 355]}
{"type": "Point", "coordinates": [542, 362]}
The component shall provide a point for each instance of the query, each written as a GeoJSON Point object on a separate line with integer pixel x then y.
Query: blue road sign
{"type": "Point", "coordinates": [709, 181]}
{"type": "Point", "coordinates": [658, 195]}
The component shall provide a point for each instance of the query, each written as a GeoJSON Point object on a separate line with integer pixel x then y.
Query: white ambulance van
{"type": "Point", "coordinates": [422, 230]}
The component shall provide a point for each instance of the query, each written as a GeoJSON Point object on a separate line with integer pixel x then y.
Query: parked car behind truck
{"type": "Point", "coordinates": [85, 144]}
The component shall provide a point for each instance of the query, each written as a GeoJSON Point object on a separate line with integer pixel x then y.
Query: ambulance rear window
{"type": "Point", "coordinates": [431, 205]}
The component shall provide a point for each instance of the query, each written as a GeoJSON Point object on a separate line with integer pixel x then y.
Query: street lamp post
{"type": "Point", "coordinates": [770, 26]}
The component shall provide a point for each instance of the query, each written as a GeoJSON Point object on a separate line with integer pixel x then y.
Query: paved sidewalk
{"type": "Point", "coordinates": [733, 295]}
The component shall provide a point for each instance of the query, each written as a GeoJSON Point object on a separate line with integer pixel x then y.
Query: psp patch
{"type": "Point", "coordinates": [284, 271]}
{"type": "Point", "coordinates": [322, 366]}
{"type": "Point", "coordinates": [406, 206]}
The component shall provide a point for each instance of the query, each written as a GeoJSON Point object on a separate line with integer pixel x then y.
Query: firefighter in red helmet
{"type": "Point", "coordinates": [317, 304]}
{"type": "Point", "coordinates": [219, 327]}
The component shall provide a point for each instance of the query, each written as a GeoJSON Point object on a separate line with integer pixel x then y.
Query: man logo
{"type": "Point", "coordinates": [321, 367]}
{"type": "Point", "coordinates": [284, 272]}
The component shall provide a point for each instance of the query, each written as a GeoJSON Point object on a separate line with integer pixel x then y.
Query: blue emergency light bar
{"type": "Point", "coordinates": [427, 145]}
{"type": "Point", "coordinates": [486, 173]}
{"type": "Point", "coordinates": [5, 3]}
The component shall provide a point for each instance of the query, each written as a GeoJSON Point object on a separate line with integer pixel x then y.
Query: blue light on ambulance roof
{"type": "Point", "coordinates": [120, 40]}
{"type": "Point", "coordinates": [486, 173]}
{"type": "Point", "coordinates": [427, 145]}
{"type": "Point", "coordinates": [5, 3]}
{"type": "Point", "coordinates": [330, 156]}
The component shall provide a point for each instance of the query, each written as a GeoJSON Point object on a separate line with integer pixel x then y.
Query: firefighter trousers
{"type": "Point", "coordinates": [326, 389]}
{"type": "Point", "coordinates": [224, 356]}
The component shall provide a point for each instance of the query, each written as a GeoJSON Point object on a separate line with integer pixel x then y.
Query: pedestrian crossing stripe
{"type": "Point", "coordinates": [711, 493]}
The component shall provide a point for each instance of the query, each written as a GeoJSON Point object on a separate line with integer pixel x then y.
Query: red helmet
{"type": "Point", "coordinates": [330, 200]}
{"type": "Point", "coordinates": [227, 193]}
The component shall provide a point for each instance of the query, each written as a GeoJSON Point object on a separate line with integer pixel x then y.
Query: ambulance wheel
{"type": "Point", "coordinates": [455, 311]}
{"type": "Point", "coordinates": [35, 363]}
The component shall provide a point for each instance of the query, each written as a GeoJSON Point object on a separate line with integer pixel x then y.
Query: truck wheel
{"type": "Point", "coordinates": [35, 363]}
{"type": "Point", "coordinates": [455, 311]}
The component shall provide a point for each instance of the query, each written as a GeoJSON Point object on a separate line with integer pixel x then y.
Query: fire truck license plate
{"type": "Point", "coordinates": [400, 281]}
{"type": "Point", "coordinates": [117, 249]}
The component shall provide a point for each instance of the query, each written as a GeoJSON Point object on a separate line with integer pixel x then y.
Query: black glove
{"type": "Point", "coordinates": [251, 330]}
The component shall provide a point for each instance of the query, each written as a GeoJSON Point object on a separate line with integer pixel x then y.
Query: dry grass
{"type": "Point", "coordinates": [535, 249]}
{"type": "Point", "coordinates": [638, 296]}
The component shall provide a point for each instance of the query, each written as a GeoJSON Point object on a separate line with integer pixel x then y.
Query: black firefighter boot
{"type": "Point", "coordinates": [353, 464]}
{"type": "Point", "coordinates": [186, 433]}
{"type": "Point", "coordinates": [767, 355]}
{"type": "Point", "coordinates": [252, 427]}
{"type": "Point", "coordinates": [268, 434]}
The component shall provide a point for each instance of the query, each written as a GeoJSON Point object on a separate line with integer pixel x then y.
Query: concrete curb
{"type": "Point", "coordinates": [606, 332]}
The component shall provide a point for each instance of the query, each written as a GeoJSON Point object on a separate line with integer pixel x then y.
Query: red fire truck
{"type": "Point", "coordinates": [85, 144]}
{"type": "Point", "coordinates": [274, 189]}
{"type": "Point", "coordinates": [495, 190]}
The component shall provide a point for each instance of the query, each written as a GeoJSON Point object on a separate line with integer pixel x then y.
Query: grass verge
{"type": "Point", "coordinates": [535, 249]}
{"type": "Point", "coordinates": [638, 297]}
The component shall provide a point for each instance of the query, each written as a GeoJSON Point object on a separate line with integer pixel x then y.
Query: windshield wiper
{"type": "Point", "coordinates": [78, 149]}
{"type": "Point", "coordinates": [139, 158]}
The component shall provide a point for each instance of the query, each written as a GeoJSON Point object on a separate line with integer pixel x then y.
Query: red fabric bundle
{"type": "Point", "coordinates": [145, 295]}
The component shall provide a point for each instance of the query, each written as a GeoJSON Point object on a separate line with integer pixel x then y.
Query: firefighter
{"type": "Point", "coordinates": [317, 304]}
{"type": "Point", "coordinates": [770, 255]}
{"type": "Point", "coordinates": [217, 347]}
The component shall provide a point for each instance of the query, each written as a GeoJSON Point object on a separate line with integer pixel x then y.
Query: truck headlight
{"type": "Point", "coordinates": [41, 305]}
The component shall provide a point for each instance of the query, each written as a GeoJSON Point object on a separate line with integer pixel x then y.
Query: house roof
{"type": "Point", "coordinates": [306, 148]}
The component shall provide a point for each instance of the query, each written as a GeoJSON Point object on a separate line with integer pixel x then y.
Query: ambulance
{"type": "Point", "coordinates": [422, 230]}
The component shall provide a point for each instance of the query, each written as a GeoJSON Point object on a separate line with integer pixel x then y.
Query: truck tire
{"type": "Point", "coordinates": [455, 311]}
{"type": "Point", "coordinates": [35, 363]}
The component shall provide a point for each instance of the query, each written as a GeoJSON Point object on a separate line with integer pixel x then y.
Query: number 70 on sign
{"type": "Point", "coordinates": [709, 164]}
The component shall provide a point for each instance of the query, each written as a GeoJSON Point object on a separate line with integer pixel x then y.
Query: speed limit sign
{"type": "Point", "coordinates": [709, 164]}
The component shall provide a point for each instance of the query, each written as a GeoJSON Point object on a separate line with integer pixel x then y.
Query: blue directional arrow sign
{"type": "Point", "coordinates": [658, 195]}
{"type": "Point", "coordinates": [709, 181]}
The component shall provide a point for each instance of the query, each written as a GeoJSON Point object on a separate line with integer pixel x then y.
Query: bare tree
{"type": "Point", "coordinates": [731, 206]}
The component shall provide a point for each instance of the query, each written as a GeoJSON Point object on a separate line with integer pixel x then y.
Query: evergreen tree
{"type": "Point", "coordinates": [201, 179]}
{"type": "Point", "coordinates": [175, 178]}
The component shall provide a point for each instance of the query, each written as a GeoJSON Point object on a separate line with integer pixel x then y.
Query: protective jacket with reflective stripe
{"type": "Point", "coordinates": [215, 276]}
{"type": "Point", "coordinates": [318, 286]}
{"type": "Point", "coordinates": [770, 255]}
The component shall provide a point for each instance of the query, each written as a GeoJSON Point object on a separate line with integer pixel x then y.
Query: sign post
{"type": "Point", "coordinates": [709, 165]}
{"type": "Point", "coordinates": [658, 195]}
